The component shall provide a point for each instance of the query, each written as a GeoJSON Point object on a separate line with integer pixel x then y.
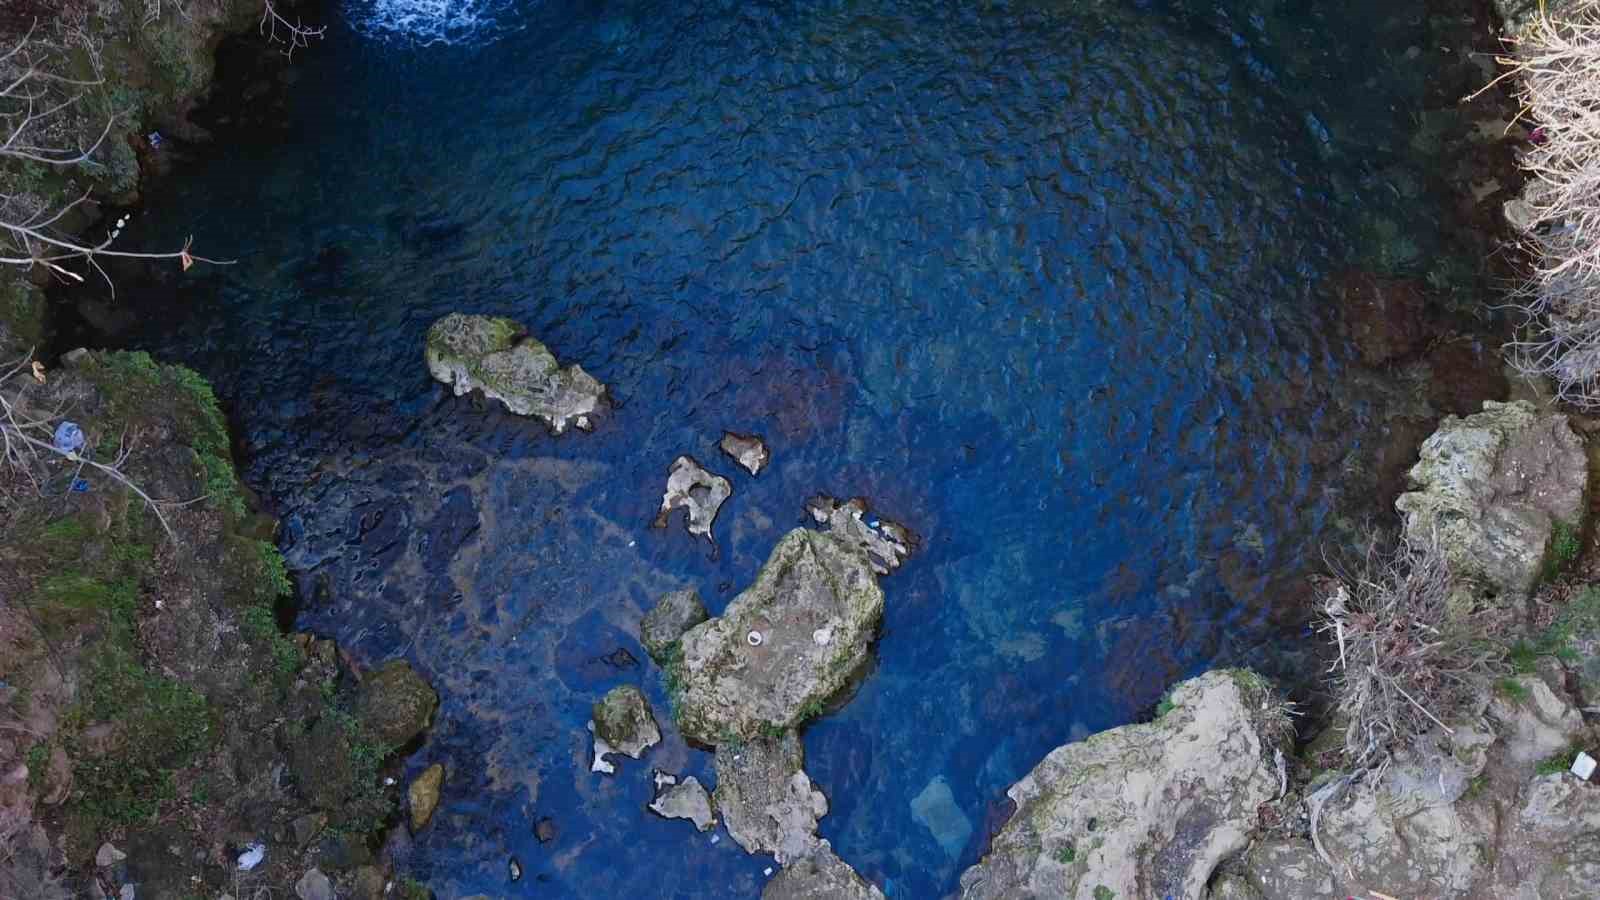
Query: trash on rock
{"type": "Point", "coordinates": [252, 857]}
{"type": "Point", "coordinates": [886, 543]}
{"type": "Point", "coordinates": [1583, 766]}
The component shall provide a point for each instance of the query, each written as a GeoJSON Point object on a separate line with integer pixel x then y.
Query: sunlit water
{"type": "Point", "coordinates": [1038, 278]}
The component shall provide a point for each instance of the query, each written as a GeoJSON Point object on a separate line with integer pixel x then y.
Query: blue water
{"type": "Point", "coordinates": [1040, 279]}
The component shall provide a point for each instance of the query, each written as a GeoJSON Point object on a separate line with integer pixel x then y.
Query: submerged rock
{"type": "Point", "coordinates": [784, 646]}
{"type": "Point", "coordinates": [1144, 810]}
{"type": "Point", "coordinates": [1495, 489]}
{"type": "Point", "coordinates": [935, 809]}
{"type": "Point", "coordinates": [699, 492]}
{"type": "Point", "coordinates": [766, 799]}
{"type": "Point", "coordinates": [748, 450]}
{"type": "Point", "coordinates": [822, 875]}
{"type": "Point", "coordinates": [497, 356]}
{"type": "Point", "coordinates": [395, 704]}
{"type": "Point", "coordinates": [424, 795]}
{"type": "Point", "coordinates": [673, 615]}
{"type": "Point", "coordinates": [1381, 316]}
{"type": "Point", "coordinates": [684, 800]}
{"type": "Point", "coordinates": [623, 720]}
{"type": "Point", "coordinates": [886, 543]}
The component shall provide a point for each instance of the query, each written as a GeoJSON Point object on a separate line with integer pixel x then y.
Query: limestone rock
{"type": "Point", "coordinates": [685, 800]}
{"type": "Point", "coordinates": [766, 798]}
{"type": "Point", "coordinates": [886, 543]}
{"type": "Point", "coordinates": [1493, 488]}
{"type": "Point", "coordinates": [424, 795]}
{"type": "Point", "coordinates": [108, 855]}
{"type": "Point", "coordinates": [675, 613]}
{"type": "Point", "coordinates": [1288, 870]}
{"type": "Point", "coordinates": [700, 493]}
{"type": "Point", "coordinates": [748, 450]}
{"type": "Point", "coordinates": [623, 720]}
{"type": "Point", "coordinates": [314, 885]}
{"type": "Point", "coordinates": [497, 356]}
{"type": "Point", "coordinates": [784, 646]}
{"type": "Point", "coordinates": [1144, 810]}
{"type": "Point", "coordinates": [395, 704]}
{"type": "Point", "coordinates": [822, 875]}
{"type": "Point", "coordinates": [1537, 726]}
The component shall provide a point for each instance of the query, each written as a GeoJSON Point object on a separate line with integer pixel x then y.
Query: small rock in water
{"type": "Point", "coordinates": [545, 830]}
{"type": "Point", "coordinates": [498, 357]}
{"type": "Point", "coordinates": [699, 492]}
{"type": "Point", "coordinates": [887, 544]}
{"type": "Point", "coordinates": [424, 796]}
{"type": "Point", "coordinates": [623, 720]}
{"type": "Point", "coordinates": [664, 779]}
{"type": "Point", "coordinates": [686, 800]}
{"type": "Point", "coordinates": [748, 450]}
{"type": "Point", "coordinates": [516, 869]}
{"type": "Point", "coordinates": [108, 855]}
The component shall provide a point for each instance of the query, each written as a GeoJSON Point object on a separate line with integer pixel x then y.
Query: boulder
{"type": "Point", "coordinates": [766, 799]}
{"type": "Point", "coordinates": [748, 450]}
{"type": "Point", "coordinates": [1281, 869]}
{"type": "Point", "coordinates": [700, 493]}
{"type": "Point", "coordinates": [424, 795]}
{"type": "Point", "coordinates": [675, 613]}
{"type": "Point", "coordinates": [1495, 489]}
{"type": "Point", "coordinates": [497, 356]}
{"type": "Point", "coordinates": [822, 875]}
{"type": "Point", "coordinates": [783, 648]}
{"type": "Point", "coordinates": [314, 885]}
{"type": "Point", "coordinates": [1145, 810]}
{"type": "Point", "coordinates": [623, 720]}
{"type": "Point", "coordinates": [395, 704]}
{"type": "Point", "coordinates": [886, 543]}
{"type": "Point", "coordinates": [686, 799]}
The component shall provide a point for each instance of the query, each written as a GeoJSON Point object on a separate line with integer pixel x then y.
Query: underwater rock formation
{"type": "Point", "coordinates": [700, 493]}
{"type": "Point", "coordinates": [675, 613]}
{"type": "Point", "coordinates": [424, 795]}
{"type": "Point", "coordinates": [498, 356]}
{"type": "Point", "coordinates": [886, 543]}
{"type": "Point", "coordinates": [1144, 810]}
{"type": "Point", "coordinates": [748, 450]}
{"type": "Point", "coordinates": [1494, 489]}
{"type": "Point", "coordinates": [783, 648]}
{"type": "Point", "coordinates": [767, 800]}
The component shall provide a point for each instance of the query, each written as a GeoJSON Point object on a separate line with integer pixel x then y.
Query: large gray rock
{"type": "Point", "coordinates": [497, 356]}
{"type": "Point", "coordinates": [783, 647]}
{"type": "Point", "coordinates": [686, 799]}
{"type": "Point", "coordinates": [1493, 488]}
{"type": "Point", "coordinates": [675, 613]}
{"type": "Point", "coordinates": [820, 876]}
{"type": "Point", "coordinates": [766, 799]}
{"type": "Point", "coordinates": [1144, 810]}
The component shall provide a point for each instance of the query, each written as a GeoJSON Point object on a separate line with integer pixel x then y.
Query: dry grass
{"type": "Point", "coordinates": [1406, 663]}
{"type": "Point", "coordinates": [1556, 68]}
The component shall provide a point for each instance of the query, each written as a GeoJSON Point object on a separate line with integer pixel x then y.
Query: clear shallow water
{"type": "Point", "coordinates": [1040, 279]}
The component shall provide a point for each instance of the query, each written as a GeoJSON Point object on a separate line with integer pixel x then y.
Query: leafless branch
{"type": "Point", "coordinates": [292, 35]}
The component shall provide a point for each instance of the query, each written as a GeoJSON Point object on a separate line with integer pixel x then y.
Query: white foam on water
{"type": "Point", "coordinates": [426, 22]}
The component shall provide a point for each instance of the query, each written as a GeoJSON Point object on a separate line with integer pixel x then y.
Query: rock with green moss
{"type": "Point", "coordinates": [784, 647]}
{"type": "Point", "coordinates": [423, 795]}
{"type": "Point", "coordinates": [820, 876]}
{"type": "Point", "coordinates": [1145, 810]}
{"type": "Point", "coordinates": [1496, 490]}
{"type": "Point", "coordinates": [497, 356]}
{"type": "Point", "coordinates": [624, 722]}
{"type": "Point", "coordinates": [673, 615]}
{"type": "Point", "coordinates": [766, 798]}
{"type": "Point", "coordinates": [395, 704]}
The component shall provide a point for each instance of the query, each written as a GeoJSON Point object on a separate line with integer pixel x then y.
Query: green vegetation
{"type": "Point", "coordinates": [37, 759]}
{"type": "Point", "coordinates": [1565, 544]}
{"type": "Point", "coordinates": [1067, 855]}
{"type": "Point", "coordinates": [1101, 892]}
{"type": "Point", "coordinates": [1580, 615]}
{"type": "Point", "coordinates": [1513, 689]}
{"type": "Point", "coordinates": [1560, 762]}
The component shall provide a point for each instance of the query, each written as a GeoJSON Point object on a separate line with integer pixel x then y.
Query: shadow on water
{"type": "Point", "coordinates": [1039, 278]}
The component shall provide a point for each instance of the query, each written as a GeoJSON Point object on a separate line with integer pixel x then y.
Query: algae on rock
{"type": "Point", "coordinates": [497, 356]}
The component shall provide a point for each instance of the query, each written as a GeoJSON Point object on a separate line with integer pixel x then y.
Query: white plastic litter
{"type": "Point", "coordinates": [1583, 766]}
{"type": "Point", "coordinates": [252, 857]}
{"type": "Point", "coordinates": [754, 638]}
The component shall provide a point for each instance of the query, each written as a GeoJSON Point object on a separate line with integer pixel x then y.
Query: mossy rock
{"type": "Point", "coordinates": [394, 704]}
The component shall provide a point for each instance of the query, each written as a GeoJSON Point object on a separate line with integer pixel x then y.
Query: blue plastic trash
{"type": "Point", "coordinates": [80, 485]}
{"type": "Point", "coordinates": [69, 437]}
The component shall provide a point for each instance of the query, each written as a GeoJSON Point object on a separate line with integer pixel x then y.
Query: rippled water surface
{"type": "Point", "coordinates": [1040, 279]}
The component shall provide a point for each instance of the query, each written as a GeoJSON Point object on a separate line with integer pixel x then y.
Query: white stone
{"type": "Point", "coordinates": [1583, 766]}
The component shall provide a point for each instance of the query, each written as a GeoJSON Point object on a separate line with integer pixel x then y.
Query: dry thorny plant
{"type": "Point", "coordinates": [33, 460]}
{"type": "Point", "coordinates": [292, 35]}
{"type": "Point", "coordinates": [46, 124]}
{"type": "Point", "coordinates": [1555, 65]}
